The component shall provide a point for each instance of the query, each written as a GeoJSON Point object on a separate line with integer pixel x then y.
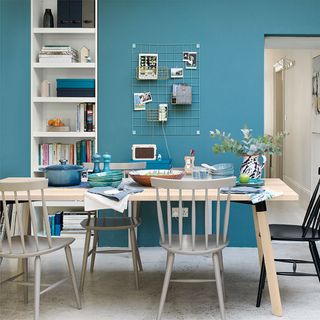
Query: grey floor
{"type": "Point", "coordinates": [110, 292]}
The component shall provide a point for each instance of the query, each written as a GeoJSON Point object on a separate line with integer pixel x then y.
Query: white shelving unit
{"type": "Point", "coordinates": [44, 108]}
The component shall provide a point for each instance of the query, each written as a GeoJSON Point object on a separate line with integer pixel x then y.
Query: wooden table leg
{"type": "Point", "coordinates": [257, 229]}
{"type": "Point", "coordinates": [273, 285]}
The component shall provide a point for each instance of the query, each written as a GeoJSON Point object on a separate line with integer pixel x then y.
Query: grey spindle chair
{"type": "Point", "coordinates": [24, 246]}
{"type": "Point", "coordinates": [193, 244]}
{"type": "Point", "coordinates": [130, 223]}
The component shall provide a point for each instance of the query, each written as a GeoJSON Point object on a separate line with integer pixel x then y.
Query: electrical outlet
{"type": "Point", "coordinates": [175, 212]}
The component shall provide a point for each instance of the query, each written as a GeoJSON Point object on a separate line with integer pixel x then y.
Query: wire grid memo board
{"type": "Point", "coordinates": [182, 120]}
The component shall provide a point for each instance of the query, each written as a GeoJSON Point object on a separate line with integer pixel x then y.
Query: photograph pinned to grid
{"type": "Point", "coordinates": [138, 101]}
{"type": "Point", "coordinates": [191, 63]}
{"type": "Point", "coordinates": [176, 73]}
{"type": "Point", "coordinates": [148, 66]}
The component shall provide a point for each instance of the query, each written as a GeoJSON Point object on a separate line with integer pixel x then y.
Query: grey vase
{"type": "Point", "coordinates": [48, 19]}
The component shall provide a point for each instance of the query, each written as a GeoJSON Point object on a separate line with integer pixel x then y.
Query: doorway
{"type": "Point", "coordinates": [288, 107]}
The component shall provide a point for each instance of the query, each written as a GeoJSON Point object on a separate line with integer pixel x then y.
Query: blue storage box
{"type": "Point", "coordinates": [75, 87]}
{"type": "Point", "coordinates": [75, 83]}
{"type": "Point", "coordinates": [164, 164]}
{"type": "Point", "coordinates": [75, 92]}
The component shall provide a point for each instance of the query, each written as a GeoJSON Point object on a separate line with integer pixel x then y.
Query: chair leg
{"type": "Point", "coordinates": [94, 248]}
{"type": "Point", "coordinates": [222, 273]}
{"type": "Point", "coordinates": [37, 280]}
{"type": "Point", "coordinates": [262, 282]}
{"type": "Point", "coordinates": [219, 284]}
{"type": "Point", "coordinates": [72, 275]}
{"type": "Point", "coordinates": [166, 282]}
{"type": "Point", "coordinates": [315, 257]}
{"type": "Point", "coordinates": [25, 279]}
{"type": "Point", "coordinates": [85, 259]}
{"type": "Point", "coordinates": [137, 249]}
{"type": "Point", "coordinates": [139, 259]}
{"type": "Point", "coordinates": [134, 257]}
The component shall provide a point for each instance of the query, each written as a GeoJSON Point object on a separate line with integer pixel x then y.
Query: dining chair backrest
{"type": "Point", "coordinates": [199, 190]}
{"type": "Point", "coordinates": [312, 217]}
{"type": "Point", "coordinates": [18, 191]}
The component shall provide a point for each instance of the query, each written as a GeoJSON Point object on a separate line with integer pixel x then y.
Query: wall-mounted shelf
{"type": "Point", "coordinates": [71, 134]}
{"type": "Point", "coordinates": [64, 30]}
{"type": "Point", "coordinates": [74, 65]}
{"type": "Point", "coordinates": [64, 100]}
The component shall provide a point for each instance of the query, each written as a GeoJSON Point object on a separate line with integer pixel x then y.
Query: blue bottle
{"type": "Point", "coordinates": [96, 163]}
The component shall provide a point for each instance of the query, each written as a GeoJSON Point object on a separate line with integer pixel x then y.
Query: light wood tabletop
{"type": "Point", "coordinates": [149, 194]}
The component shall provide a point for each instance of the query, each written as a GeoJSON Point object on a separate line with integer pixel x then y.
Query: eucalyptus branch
{"type": "Point", "coordinates": [248, 145]}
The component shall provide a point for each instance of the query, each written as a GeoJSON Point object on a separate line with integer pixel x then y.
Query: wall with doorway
{"type": "Point", "coordinates": [231, 34]}
{"type": "Point", "coordinates": [298, 111]}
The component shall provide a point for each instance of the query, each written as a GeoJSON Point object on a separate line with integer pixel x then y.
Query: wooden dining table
{"type": "Point", "coordinates": [75, 197]}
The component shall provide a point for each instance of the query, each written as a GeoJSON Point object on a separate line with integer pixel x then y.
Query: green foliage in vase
{"type": "Point", "coordinates": [249, 145]}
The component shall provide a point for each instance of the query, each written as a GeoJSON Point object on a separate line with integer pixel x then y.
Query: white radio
{"type": "Point", "coordinates": [144, 152]}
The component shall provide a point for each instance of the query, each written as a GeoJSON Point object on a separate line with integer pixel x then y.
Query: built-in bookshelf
{"type": "Point", "coordinates": [64, 108]}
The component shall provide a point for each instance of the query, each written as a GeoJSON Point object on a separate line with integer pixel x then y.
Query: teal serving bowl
{"type": "Point", "coordinates": [109, 176]}
{"type": "Point", "coordinates": [113, 184]}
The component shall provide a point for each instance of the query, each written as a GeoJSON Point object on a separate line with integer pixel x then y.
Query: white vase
{"type": "Point", "coordinates": [252, 166]}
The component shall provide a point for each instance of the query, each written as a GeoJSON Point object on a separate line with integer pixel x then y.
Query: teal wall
{"type": "Point", "coordinates": [231, 34]}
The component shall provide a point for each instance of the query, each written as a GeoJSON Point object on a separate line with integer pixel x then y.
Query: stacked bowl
{"type": "Point", "coordinates": [110, 178]}
{"type": "Point", "coordinates": [222, 170]}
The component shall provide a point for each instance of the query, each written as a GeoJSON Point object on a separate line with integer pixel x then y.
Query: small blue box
{"type": "Point", "coordinates": [164, 164]}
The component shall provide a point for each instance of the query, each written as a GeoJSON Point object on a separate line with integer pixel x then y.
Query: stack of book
{"type": "Point", "coordinates": [77, 153]}
{"type": "Point", "coordinates": [56, 223]}
{"type": "Point", "coordinates": [71, 222]}
{"type": "Point", "coordinates": [85, 117]}
{"type": "Point", "coordinates": [58, 54]}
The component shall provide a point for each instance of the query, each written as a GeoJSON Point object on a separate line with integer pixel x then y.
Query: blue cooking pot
{"type": "Point", "coordinates": [63, 174]}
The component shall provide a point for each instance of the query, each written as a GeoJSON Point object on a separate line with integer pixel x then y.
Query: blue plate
{"type": "Point", "coordinates": [252, 183]}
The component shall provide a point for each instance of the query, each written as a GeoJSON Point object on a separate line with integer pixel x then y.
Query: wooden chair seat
{"type": "Point", "coordinates": [110, 223]}
{"type": "Point", "coordinates": [283, 232]}
{"type": "Point", "coordinates": [30, 246]}
{"type": "Point", "coordinates": [199, 247]}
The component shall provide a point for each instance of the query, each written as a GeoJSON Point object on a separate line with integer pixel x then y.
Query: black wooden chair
{"type": "Point", "coordinates": [309, 232]}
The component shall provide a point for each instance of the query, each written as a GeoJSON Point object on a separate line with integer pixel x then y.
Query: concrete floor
{"type": "Point", "coordinates": [110, 293]}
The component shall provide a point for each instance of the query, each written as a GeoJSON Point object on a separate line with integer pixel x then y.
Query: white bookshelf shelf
{"type": "Point", "coordinates": [64, 30]}
{"type": "Point", "coordinates": [64, 100]}
{"type": "Point", "coordinates": [74, 65]}
{"type": "Point", "coordinates": [70, 134]}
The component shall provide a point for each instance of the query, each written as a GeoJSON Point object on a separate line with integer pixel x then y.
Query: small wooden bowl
{"type": "Point", "coordinates": [143, 177]}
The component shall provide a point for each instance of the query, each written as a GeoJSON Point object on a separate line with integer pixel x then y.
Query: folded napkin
{"type": "Point", "coordinates": [242, 190]}
{"type": "Point", "coordinates": [263, 196]}
{"type": "Point", "coordinates": [109, 198]}
{"type": "Point", "coordinates": [256, 194]}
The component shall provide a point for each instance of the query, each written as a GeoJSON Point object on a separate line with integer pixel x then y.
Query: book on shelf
{"type": "Point", "coordinates": [85, 121]}
{"type": "Point", "coordinates": [77, 153]}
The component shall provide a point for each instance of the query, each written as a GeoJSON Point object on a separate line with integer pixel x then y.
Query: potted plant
{"type": "Point", "coordinates": [250, 148]}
